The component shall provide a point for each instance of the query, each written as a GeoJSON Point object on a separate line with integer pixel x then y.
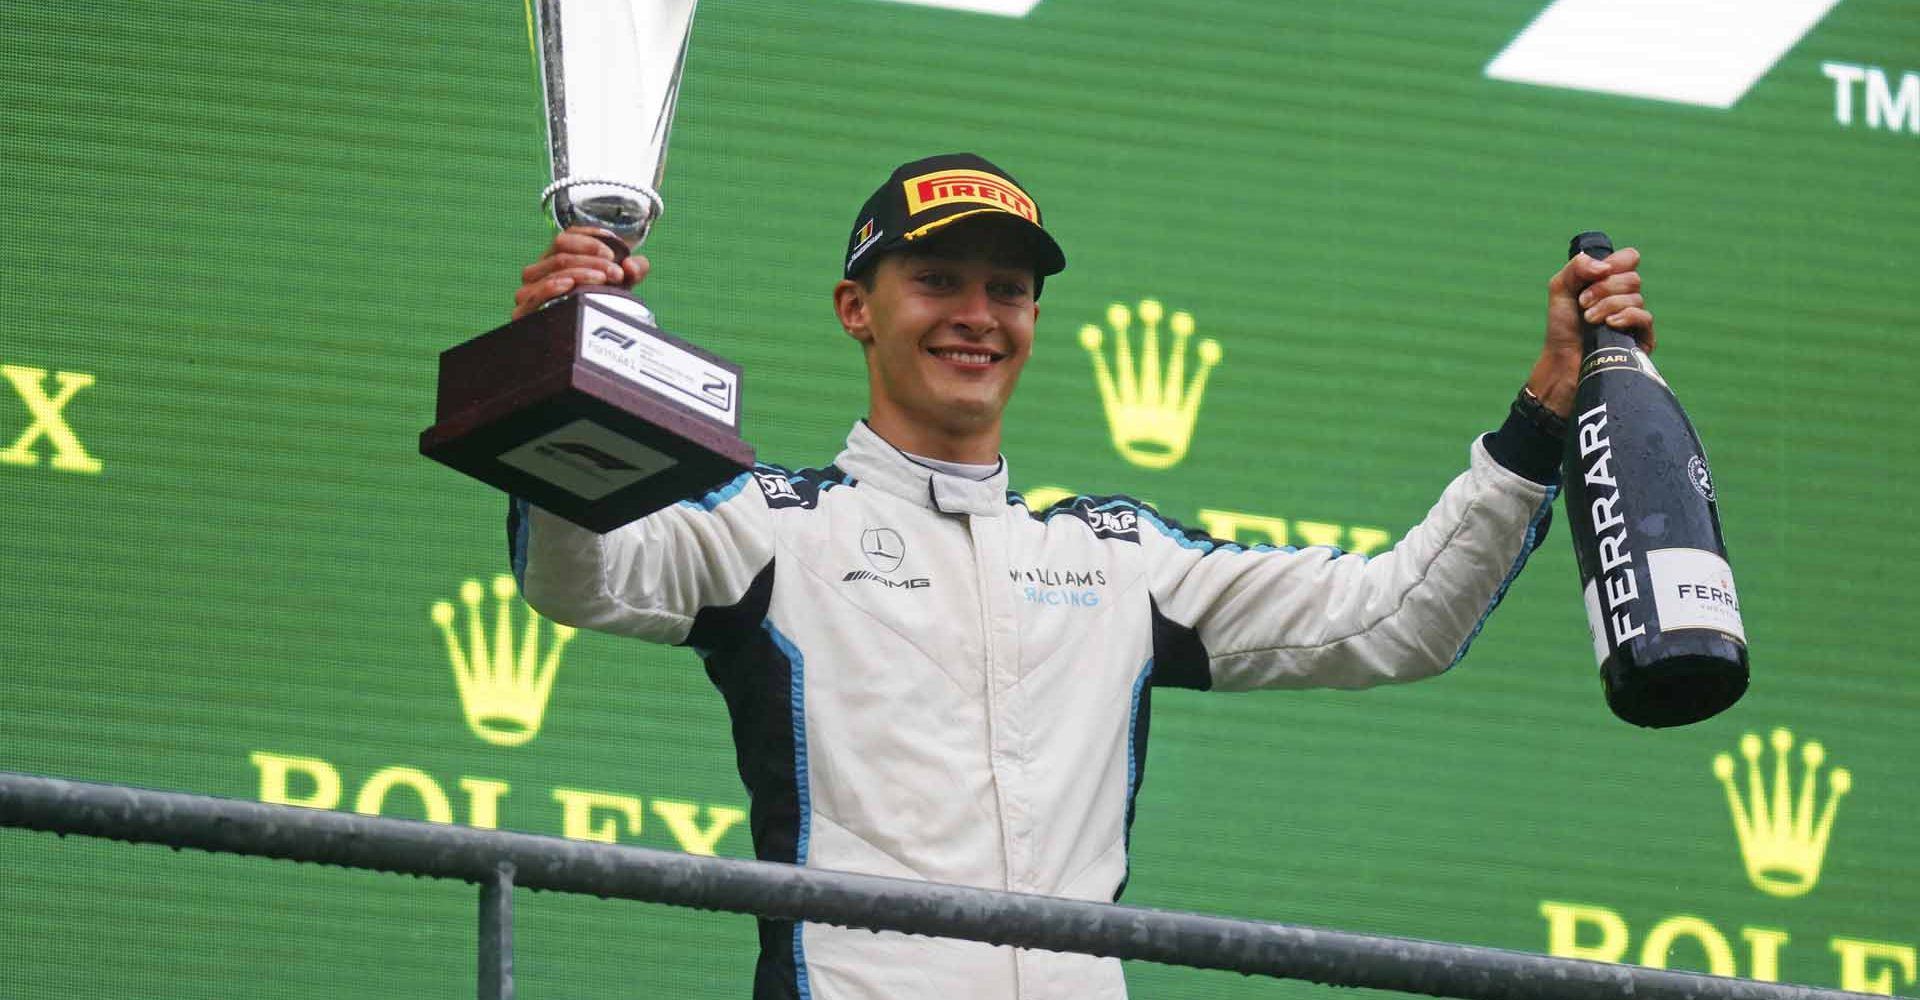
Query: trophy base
{"type": "Point", "coordinates": [588, 411]}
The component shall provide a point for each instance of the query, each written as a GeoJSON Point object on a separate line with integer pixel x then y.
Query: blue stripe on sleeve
{"type": "Point", "coordinates": [1519, 562]}
{"type": "Point", "coordinates": [721, 495]}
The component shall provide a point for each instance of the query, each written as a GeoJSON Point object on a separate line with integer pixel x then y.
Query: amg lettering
{"type": "Point", "coordinates": [1618, 582]}
{"type": "Point", "coordinates": [918, 583]}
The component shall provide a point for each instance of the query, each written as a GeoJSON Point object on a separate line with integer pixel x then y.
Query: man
{"type": "Point", "coordinates": [905, 699]}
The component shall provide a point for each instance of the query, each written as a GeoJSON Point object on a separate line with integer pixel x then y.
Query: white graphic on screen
{"type": "Point", "coordinates": [1004, 8]}
{"type": "Point", "coordinates": [1890, 107]}
{"type": "Point", "coordinates": [1704, 52]}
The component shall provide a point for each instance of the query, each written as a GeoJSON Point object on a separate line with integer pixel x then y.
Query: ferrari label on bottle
{"type": "Point", "coordinates": [1693, 588]}
{"type": "Point", "coordinates": [1615, 583]}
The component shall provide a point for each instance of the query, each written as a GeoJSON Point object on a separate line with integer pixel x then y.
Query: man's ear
{"type": "Point", "coordinates": [850, 304]}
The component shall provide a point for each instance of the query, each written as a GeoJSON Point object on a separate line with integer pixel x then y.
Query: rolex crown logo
{"type": "Point", "coordinates": [1783, 838]}
{"type": "Point", "coordinates": [1150, 411]}
{"type": "Point", "coordinates": [503, 690]}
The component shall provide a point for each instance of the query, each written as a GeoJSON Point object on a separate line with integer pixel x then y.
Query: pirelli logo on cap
{"type": "Point", "coordinates": [946, 187]}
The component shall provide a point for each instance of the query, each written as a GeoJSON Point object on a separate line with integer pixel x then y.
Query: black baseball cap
{"type": "Point", "coordinates": [923, 197]}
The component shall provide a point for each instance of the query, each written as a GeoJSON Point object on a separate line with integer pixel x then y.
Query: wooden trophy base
{"type": "Point", "coordinates": [589, 411]}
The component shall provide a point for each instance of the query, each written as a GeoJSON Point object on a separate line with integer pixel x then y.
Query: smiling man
{"type": "Point", "coordinates": [927, 679]}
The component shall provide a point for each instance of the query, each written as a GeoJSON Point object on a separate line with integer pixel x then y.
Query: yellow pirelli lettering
{"type": "Point", "coordinates": [946, 187]}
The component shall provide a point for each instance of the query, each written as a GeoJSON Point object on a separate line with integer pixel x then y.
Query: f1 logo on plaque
{"type": "Point", "coordinates": [586, 408]}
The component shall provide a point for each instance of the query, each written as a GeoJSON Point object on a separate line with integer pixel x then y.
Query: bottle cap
{"type": "Point", "coordinates": [1593, 243]}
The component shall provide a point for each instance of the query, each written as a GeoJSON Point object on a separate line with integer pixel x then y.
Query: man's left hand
{"type": "Point", "coordinates": [1598, 291]}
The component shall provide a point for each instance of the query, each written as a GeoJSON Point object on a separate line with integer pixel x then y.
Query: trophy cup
{"type": "Point", "coordinates": [586, 408]}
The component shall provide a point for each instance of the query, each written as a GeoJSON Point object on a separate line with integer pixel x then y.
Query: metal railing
{"type": "Point", "coordinates": [498, 861]}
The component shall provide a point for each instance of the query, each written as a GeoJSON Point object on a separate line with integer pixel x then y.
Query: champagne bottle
{"type": "Point", "coordinates": [1645, 522]}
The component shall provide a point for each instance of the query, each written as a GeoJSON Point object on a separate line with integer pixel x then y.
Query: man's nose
{"type": "Point", "coordinates": [973, 309]}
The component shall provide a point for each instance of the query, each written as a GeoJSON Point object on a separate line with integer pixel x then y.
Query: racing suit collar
{"type": "Point", "coordinates": [870, 460]}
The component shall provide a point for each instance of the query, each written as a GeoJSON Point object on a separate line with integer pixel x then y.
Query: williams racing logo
{"type": "Point", "coordinates": [947, 187]}
{"type": "Point", "coordinates": [1059, 588]}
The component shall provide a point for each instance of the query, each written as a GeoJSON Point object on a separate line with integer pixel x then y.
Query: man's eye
{"type": "Point", "coordinates": [1010, 289]}
{"type": "Point", "coordinates": [938, 279]}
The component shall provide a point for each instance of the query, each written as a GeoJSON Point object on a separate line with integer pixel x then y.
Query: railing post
{"type": "Point", "coordinates": [496, 934]}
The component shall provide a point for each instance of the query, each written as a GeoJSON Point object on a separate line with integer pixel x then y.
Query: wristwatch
{"type": "Point", "coordinates": [1546, 421]}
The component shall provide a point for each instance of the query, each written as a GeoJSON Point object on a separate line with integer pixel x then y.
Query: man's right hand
{"type": "Point", "coordinates": [575, 258]}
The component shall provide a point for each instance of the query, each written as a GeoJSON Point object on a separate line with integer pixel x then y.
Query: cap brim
{"type": "Point", "coordinates": [1047, 255]}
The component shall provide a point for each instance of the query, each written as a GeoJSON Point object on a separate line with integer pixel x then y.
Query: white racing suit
{"type": "Point", "coordinates": [928, 680]}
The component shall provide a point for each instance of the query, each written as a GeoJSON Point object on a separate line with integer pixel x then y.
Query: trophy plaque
{"type": "Point", "coordinates": [586, 408]}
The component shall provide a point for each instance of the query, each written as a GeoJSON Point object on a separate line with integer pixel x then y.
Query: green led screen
{"type": "Point", "coordinates": [237, 237]}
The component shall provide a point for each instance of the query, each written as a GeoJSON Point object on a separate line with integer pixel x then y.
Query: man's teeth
{"type": "Point", "coordinates": [966, 357]}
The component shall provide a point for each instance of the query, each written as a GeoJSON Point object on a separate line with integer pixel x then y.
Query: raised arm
{"type": "Point", "coordinates": [652, 577]}
{"type": "Point", "coordinates": [1314, 617]}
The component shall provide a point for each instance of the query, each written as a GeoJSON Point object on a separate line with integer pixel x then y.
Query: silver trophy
{"type": "Point", "coordinates": [585, 407]}
{"type": "Point", "coordinates": [611, 69]}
